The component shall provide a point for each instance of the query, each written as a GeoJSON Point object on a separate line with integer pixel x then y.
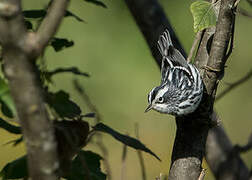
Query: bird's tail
{"type": "Point", "coordinates": [169, 52]}
{"type": "Point", "coordinates": [165, 43]}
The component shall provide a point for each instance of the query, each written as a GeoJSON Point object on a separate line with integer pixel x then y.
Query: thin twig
{"type": "Point", "coordinates": [194, 45]}
{"type": "Point", "coordinates": [236, 3]}
{"type": "Point", "coordinates": [123, 168]}
{"type": "Point", "coordinates": [139, 153]}
{"type": "Point", "coordinates": [202, 174]}
{"type": "Point", "coordinates": [98, 118]}
{"type": "Point", "coordinates": [51, 22]}
{"type": "Point", "coordinates": [244, 12]}
{"type": "Point", "coordinates": [245, 148]}
{"type": "Point", "coordinates": [161, 177]}
{"type": "Point", "coordinates": [250, 2]}
{"type": "Point", "coordinates": [234, 85]}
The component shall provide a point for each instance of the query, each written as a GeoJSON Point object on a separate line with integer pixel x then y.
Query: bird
{"type": "Point", "coordinates": [181, 88]}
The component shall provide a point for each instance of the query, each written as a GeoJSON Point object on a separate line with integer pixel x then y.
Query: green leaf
{"type": "Point", "coordinates": [204, 15]}
{"type": "Point", "coordinates": [16, 142]}
{"type": "Point", "coordinates": [63, 106]}
{"type": "Point", "coordinates": [59, 44]}
{"type": "Point", "coordinates": [41, 13]}
{"type": "Point", "coordinates": [9, 127]}
{"type": "Point", "coordinates": [97, 2]}
{"type": "Point", "coordinates": [16, 169]}
{"type": "Point", "coordinates": [70, 14]}
{"type": "Point", "coordinates": [38, 13]}
{"type": "Point", "coordinates": [127, 140]}
{"type": "Point", "coordinates": [91, 161]}
{"type": "Point", "coordinates": [6, 101]}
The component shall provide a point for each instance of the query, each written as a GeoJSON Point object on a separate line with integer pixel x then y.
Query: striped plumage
{"type": "Point", "coordinates": [181, 87]}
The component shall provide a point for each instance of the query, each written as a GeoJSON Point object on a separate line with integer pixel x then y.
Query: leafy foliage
{"type": "Point", "coordinates": [97, 2]}
{"type": "Point", "coordinates": [6, 101]}
{"type": "Point", "coordinates": [71, 132]}
{"type": "Point", "coordinates": [16, 169]}
{"type": "Point", "coordinates": [203, 15]}
{"type": "Point", "coordinates": [9, 127]}
{"type": "Point", "coordinates": [63, 106]}
{"type": "Point", "coordinates": [88, 115]}
{"type": "Point", "coordinates": [127, 140]}
{"type": "Point", "coordinates": [86, 164]}
{"type": "Point", "coordinates": [41, 13]}
{"type": "Point", "coordinates": [59, 44]}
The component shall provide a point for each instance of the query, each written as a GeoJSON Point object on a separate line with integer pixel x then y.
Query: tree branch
{"type": "Point", "coordinates": [219, 46]}
{"type": "Point", "coordinates": [194, 45]}
{"type": "Point", "coordinates": [25, 85]}
{"type": "Point", "coordinates": [139, 154]}
{"type": "Point", "coordinates": [244, 12]}
{"type": "Point", "coordinates": [98, 118]}
{"type": "Point", "coordinates": [196, 144]}
{"type": "Point", "coordinates": [51, 22]}
{"type": "Point", "coordinates": [234, 85]}
{"type": "Point", "coordinates": [224, 164]}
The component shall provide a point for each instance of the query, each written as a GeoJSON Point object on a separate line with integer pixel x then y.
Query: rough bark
{"type": "Point", "coordinates": [191, 136]}
{"type": "Point", "coordinates": [19, 51]}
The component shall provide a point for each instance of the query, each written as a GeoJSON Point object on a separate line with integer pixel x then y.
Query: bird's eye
{"type": "Point", "coordinates": [160, 99]}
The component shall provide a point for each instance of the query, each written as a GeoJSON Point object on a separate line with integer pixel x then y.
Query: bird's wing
{"type": "Point", "coordinates": [165, 67]}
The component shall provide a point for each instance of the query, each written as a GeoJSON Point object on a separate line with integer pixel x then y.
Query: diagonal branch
{"type": "Point", "coordinates": [217, 57]}
{"type": "Point", "coordinates": [234, 85]}
{"type": "Point", "coordinates": [51, 22]}
{"type": "Point", "coordinates": [98, 119]}
{"type": "Point", "coordinates": [194, 45]}
{"type": "Point", "coordinates": [151, 20]}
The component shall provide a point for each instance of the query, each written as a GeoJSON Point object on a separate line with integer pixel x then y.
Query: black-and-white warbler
{"type": "Point", "coordinates": [181, 87]}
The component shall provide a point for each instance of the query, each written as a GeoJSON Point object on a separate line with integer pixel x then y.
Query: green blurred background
{"type": "Point", "coordinates": [111, 48]}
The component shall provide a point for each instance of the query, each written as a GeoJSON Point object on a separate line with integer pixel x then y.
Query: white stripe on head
{"type": "Point", "coordinates": [150, 95]}
{"type": "Point", "coordinates": [162, 91]}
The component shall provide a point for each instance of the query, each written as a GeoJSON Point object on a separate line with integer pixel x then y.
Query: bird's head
{"type": "Point", "coordinates": [161, 99]}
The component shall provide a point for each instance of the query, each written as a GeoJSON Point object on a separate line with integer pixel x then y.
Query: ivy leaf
{"type": "Point", "coordinates": [92, 161]}
{"type": "Point", "coordinates": [16, 169]}
{"type": "Point", "coordinates": [127, 140]}
{"type": "Point", "coordinates": [9, 127]}
{"type": "Point", "coordinates": [63, 106]}
{"type": "Point", "coordinates": [204, 15]}
{"type": "Point", "coordinates": [6, 101]}
{"type": "Point", "coordinates": [59, 44]}
{"type": "Point", "coordinates": [97, 2]}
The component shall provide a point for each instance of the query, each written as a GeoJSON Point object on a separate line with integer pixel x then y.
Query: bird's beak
{"type": "Point", "coordinates": [148, 108]}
